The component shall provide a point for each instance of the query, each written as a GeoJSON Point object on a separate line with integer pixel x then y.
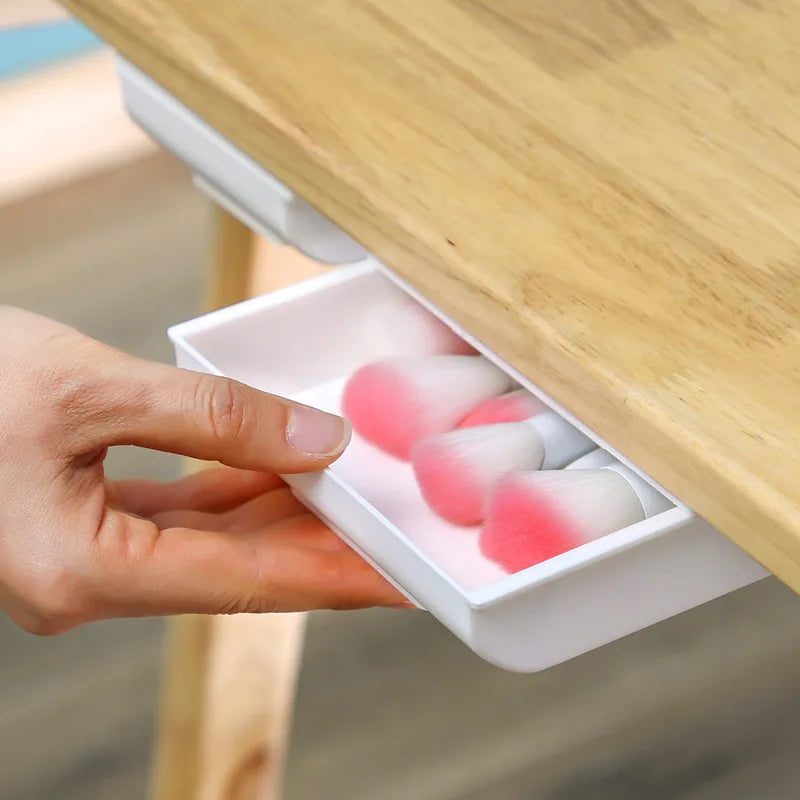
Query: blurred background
{"type": "Point", "coordinates": [101, 230]}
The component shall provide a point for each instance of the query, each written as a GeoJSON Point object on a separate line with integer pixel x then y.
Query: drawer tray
{"type": "Point", "coordinates": [303, 342]}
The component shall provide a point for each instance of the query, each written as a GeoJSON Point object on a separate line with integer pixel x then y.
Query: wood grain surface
{"type": "Point", "coordinates": [606, 193]}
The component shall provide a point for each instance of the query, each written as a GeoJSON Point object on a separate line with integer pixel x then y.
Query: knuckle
{"type": "Point", "coordinates": [83, 398]}
{"type": "Point", "coordinates": [259, 595]}
{"type": "Point", "coordinates": [250, 602]}
{"type": "Point", "coordinates": [76, 390]}
{"type": "Point", "coordinates": [224, 407]}
{"type": "Point", "coordinates": [39, 625]}
{"type": "Point", "coordinates": [75, 408]}
{"type": "Point", "coordinates": [56, 377]}
{"type": "Point", "coordinates": [356, 584]}
{"type": "Point", "coordinates": [336, 584]}
{"type": "Point", "coordinates": [57, 601]}
{"type": "Point", "coordinates": [77, 395]}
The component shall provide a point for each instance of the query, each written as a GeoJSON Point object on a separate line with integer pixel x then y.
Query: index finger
{"type": "Point", "coordinates": [211, 490]}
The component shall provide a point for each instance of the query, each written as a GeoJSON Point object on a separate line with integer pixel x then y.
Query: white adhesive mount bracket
{"type": "Point", "coordinates": [234, 180]}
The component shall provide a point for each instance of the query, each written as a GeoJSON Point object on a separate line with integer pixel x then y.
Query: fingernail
{"type": "Point", "coordinates": [315, 433]}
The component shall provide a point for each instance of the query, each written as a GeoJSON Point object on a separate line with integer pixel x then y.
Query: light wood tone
{"type": "Point", "coordinates": [250, 686]}
{"type": "Point", "coordinates": [176, 764]}
{"type": "Point", "coordinates": [229, 682]}
{"type": "Point", "coordinates": [63, 124]}
{"type": "Point", "coordinates": [605, 193]}
{"type": "Point", "coordinates": [233, 249]}
{"type": "Point", "coordinates": [276, 267]}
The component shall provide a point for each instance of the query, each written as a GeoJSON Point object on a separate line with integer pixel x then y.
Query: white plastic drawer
{"type": "Point", "coordinates": [303, 342]}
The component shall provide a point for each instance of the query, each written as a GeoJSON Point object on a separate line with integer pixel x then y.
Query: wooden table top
{"type": "Point", "coordinates": [606, 193]}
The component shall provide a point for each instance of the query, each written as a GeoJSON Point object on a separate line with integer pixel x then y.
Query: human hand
{"type": "Point", "coordinates": [76, 547]}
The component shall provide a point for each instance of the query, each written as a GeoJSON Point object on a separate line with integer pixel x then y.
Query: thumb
{"type": "Point", "coordinates": [210, 418]}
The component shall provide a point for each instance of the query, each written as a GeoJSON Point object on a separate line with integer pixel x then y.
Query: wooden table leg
{"type": "Point", "coordinates": [229, 682]}
{"type": "Point", "coordinates": [251, 673]}
{"type": "Point", "coordinates": [176, 761]}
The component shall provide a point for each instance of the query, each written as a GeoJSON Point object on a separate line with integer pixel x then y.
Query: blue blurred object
{"type": "Point", "coordinates": [28, 48]}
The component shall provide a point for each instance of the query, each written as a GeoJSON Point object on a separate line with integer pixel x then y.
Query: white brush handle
{"type": "Point", "coordinates": [562, 442]}
{"type": "Point", "coordinates": [653, 502]}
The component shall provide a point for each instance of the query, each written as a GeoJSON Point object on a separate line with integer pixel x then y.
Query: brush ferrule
{"type": "Point", "coordinates": [653, 502]}
{"type": "Point", "coordinates": [562, 442]}
{"type": "Point", "coordinates": [592, 460]}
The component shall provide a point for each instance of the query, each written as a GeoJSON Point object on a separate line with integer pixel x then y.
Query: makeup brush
{"type": "Point", "coordinates": [394, 403]}
{"type": "Point", "coordinates": [404, 327]}
{"type": "Point", "coordinates": [594, 459]}
{"type": "Point", "coordinates": [511, 407]}
{"type": "Point", "coordinates": [534, 516]}
{"type": "Point", "coordinates": [456, 471]}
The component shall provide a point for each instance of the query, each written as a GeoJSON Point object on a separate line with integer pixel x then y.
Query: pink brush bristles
{"type": "Point", "coordinates": [456, 471]}
{"type": "Point", "coordinates": [511, 407]}
{"type": "Point", "coordinates": [394, 403]}
{"type": "Point", "coordinates": [523, 529]}
{"type": "Point", "coordinates": [535, 516]}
